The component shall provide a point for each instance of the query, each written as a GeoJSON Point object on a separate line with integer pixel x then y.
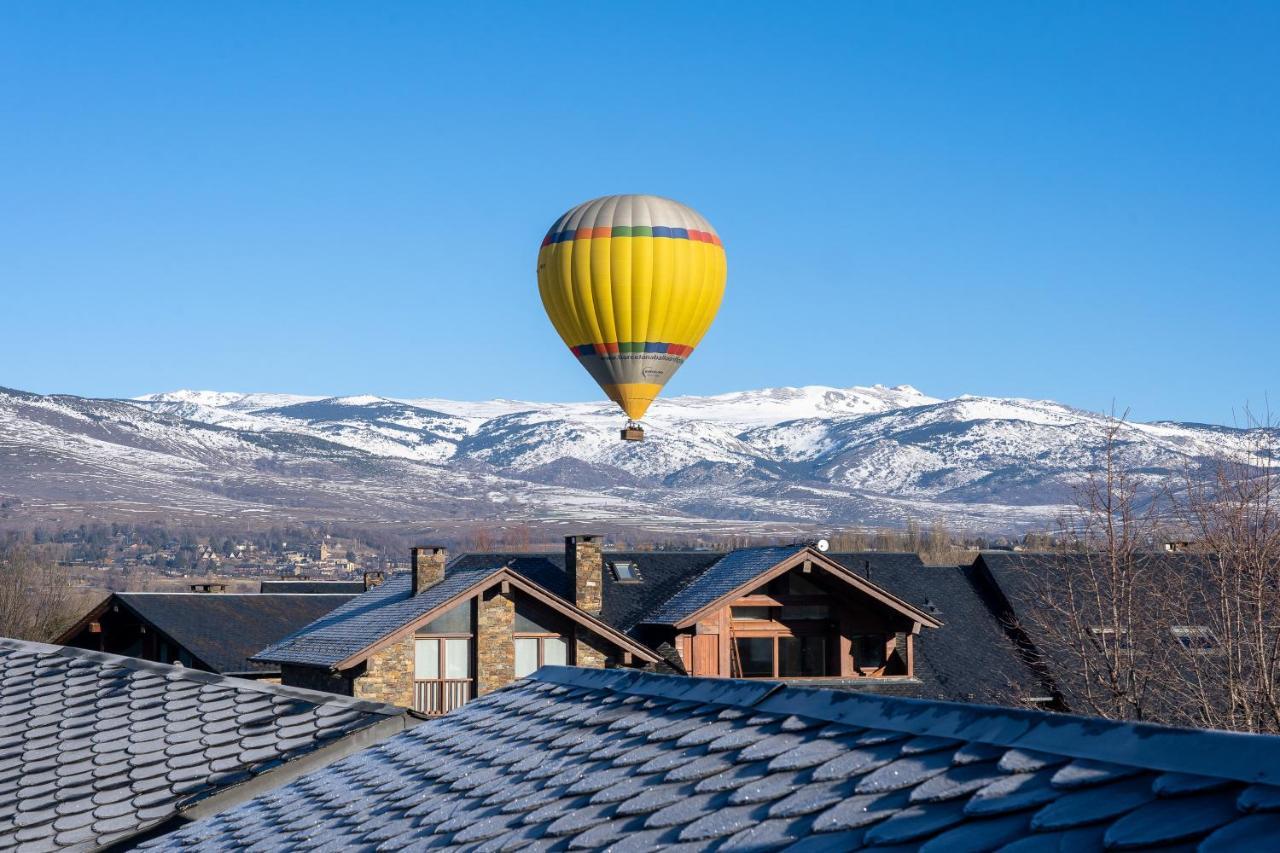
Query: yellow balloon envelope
{"type": "Point", "coordinates": [631, 283]}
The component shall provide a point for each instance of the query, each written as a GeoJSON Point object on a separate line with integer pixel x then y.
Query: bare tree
{"type": "Point", "coordinates": [1092, 612]}
{"type": "Point", "coordinates": [1129, 632]}
{"type": "Point", "coordinates": [35, 596]}
{"type": "Point", "coordinates": [1230, 604]}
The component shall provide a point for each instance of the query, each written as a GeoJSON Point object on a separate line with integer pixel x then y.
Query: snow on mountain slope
{"type": "Point", "coordinates": [800, 456]}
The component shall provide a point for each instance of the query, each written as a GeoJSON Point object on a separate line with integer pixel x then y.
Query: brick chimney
{"type": "Point", "coordinates": [372, 579]}
{"type": "Point", "coordinates": [584, 564]}
{"type": "Point", "coordinates": [428, 567]}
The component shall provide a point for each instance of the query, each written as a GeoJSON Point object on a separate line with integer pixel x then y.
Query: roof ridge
{"type": "Point", "coordinates": [1203, 752]}
{"type": "Point", "coordinates": [316, 697]}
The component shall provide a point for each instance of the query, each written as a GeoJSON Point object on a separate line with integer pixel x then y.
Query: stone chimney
{"type": "Point", "coordinates": [372, 579]}
{"type": "Point", "coordinates": [428, 567]}
{"type": "Point", "coordinates": [585, 564]}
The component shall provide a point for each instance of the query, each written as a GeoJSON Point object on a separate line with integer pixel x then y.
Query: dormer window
{"type": "Point", "coordinates": [625, 571]}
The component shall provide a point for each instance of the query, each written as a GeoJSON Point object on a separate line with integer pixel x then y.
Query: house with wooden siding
{"type": "Point", "coordinates": [450, 630]}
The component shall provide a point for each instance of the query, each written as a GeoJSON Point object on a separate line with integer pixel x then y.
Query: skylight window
{"type": "Point", "coordinates": [625, 571]}
{"type": "Point", "coordinates": [1196, 639]}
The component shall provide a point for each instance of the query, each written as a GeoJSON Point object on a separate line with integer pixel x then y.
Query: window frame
{"type": "Point", "coordinates": [541, 637]}
{"type": "Point", "coordinates": [442, 661]}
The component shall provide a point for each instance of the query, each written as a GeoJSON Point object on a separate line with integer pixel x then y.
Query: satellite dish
{"type": "Point", "coordinates": [823, 545]}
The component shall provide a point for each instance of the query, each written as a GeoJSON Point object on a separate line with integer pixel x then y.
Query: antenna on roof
{"type": "Point", "coordinates": [822, 545]}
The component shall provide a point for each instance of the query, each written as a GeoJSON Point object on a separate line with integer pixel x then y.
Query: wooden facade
{"type": "Point", "coordinates": [810, 620]}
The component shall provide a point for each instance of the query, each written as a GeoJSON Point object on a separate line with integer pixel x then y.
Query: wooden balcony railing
{"type": "Point", "coordinates": [440, 696]}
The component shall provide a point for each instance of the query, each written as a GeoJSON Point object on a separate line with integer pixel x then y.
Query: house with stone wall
{"type": "Point", "coordinates": [450, 630]}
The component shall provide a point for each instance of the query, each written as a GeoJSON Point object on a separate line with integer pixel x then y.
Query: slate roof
{"type": "Point", "coordinates": [720, 578]}
{"type": "Point", "coordinates": [662, 574]}
{"type": "Point", "coordinates": [369, 617]}
{"type": "Point", "coordinates": [97, 748]}
{"type": "Point", "coordinates": [589, 759]}
{"type": "Point", "coordinates": [225, 631]}
{"type": "Point", "coordinates": [313, 587]}
{"type": "Point", "coordinates": [970, 656]}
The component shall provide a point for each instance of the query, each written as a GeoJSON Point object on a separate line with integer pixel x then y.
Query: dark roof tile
{"type": "Point", "coordinates": [223, 631]}
{"type": "Point", "coordinates": [934, 774]}
{"type": "Point", "coordinates": [119, 770]}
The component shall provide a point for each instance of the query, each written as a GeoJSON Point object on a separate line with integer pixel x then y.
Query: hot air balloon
{"type": "Point", "coordinates": [631, 283]}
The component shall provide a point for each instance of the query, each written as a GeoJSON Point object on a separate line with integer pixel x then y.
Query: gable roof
{"type": "Point", "coordinates": [222, 631]}
{"type": "Point", "coordinates": [369, 617]}
{"type": "Point", "coordinates": [97, 748]}
{"type": "Point", "coordinates": [589, 759]}
{"type": "Point", "coordinates": [718, 579]}
{"type": "Point", "coordinates": [738, 570]}
{"type": "Point", "coordinates": [341, 638]}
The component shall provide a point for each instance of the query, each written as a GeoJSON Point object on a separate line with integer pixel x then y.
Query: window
{"type": "Point", "coordinates": [533, 617]}
{"type": "Point", "coordinates": [426, 660]}
{"type": "Point", "coordinates": [1109, 637]}
{"type": "Point", "coordinates": [802, 657]}
{"type": "Point", "coordinates": [534, 652]}
{"type": "Point", "coordinates": [456, 620]}
{"type": "Point", "coordinates": [802, 612]}
{"type": "Point", "coordinates": [625, 571]}
{"type": "Point", "coordinates": [801, 585]}
{"type": "Point", "coordinates": [869, 651]}
{"type": "Point", "coordinates": [435, 655]}
{"type": "Point", "coordinates": [763, 614]}
{"type": "Point", "coordinates": [755, 657]}
{"type": "Point", "coordinates": [781, 656]}
{"type": "Point", "coordinates": [1196, 639]}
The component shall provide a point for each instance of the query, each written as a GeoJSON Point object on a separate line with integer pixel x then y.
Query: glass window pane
{"type": "Point", "coordinates": [805, 611]}
{"type": "Point", "coordinates": [457, 658]}
{"type": "Point", "coordinates": [789, 657]}
{"type": "Point", "coordinates": [555, 651]}
{"type": "Point", "coordinates": [802, 657]}
{"type": "Point", "coordinates": [526, 656]}
{"type": "Point", "coordinates": [426, 659]}
{"type": "Point", "coordinates": [801, 585]}
{"type": "Point", "coordinates": [456, 620]}
{"type": "Point", "coordinates": [869, 651]}
{"type": "Point", "coordinates": [751, 613]}
{"type": "Point", "coordinates": [755, 654]}
{"type": "Point", "coordinates": [533, 617]}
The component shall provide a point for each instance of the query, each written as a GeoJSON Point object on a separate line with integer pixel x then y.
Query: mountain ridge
{"type": "Point", "coordinates": [774, 458]}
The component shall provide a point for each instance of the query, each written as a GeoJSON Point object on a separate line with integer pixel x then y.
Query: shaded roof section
{"type": "Point", "coordinates": [720, 578]}
{"type": "Point", "coordinates": [225, 631]}
{"type": "Point", "coordinates": [589, 759]}
{"type": "Point", "coordinates": [96, 748]}
{"type": "Point", "coordinates": [367, 618]}
{"type": "Point", "coordinates": [970, 657]}
{"type": "Point", "coordinates": [313, 587]}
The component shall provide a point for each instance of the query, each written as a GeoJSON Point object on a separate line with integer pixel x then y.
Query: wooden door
{"type": "Point", "coordinates": [706, 654]}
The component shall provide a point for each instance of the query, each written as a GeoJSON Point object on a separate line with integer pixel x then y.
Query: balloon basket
{"type": "Point", "coordinates": [632, 432]}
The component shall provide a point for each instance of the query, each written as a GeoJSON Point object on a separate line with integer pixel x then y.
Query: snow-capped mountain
{"type": "Point", "coordinates": [811, 456]}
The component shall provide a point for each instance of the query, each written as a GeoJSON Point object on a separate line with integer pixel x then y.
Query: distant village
{"type": "Point", "coordinates": [118, 557]}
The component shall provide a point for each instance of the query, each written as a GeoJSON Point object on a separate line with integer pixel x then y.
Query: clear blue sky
{"type": "Point", "coordinates": [1072, 201]}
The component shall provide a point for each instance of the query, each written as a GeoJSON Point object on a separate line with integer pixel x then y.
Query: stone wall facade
{"type": "Point", "coordinates": [388, 675]}
{"type": "Point", "coordinates": [589, 651]}
{"type": "Point", "coordinates": [495, 641]}
{"type": "Point", "coordinates": [314, 678]}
